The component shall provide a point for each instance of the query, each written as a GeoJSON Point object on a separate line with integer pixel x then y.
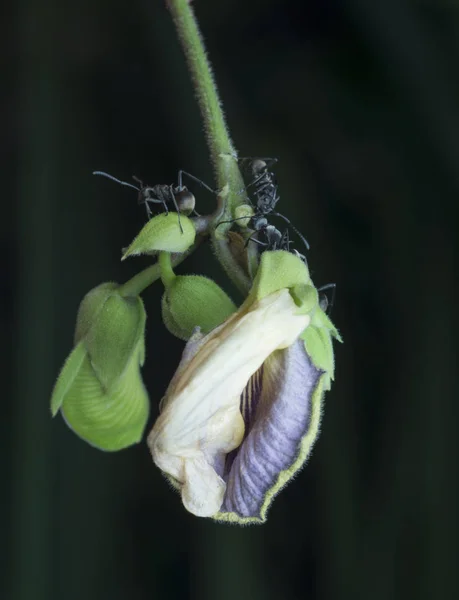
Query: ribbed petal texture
{"type": "Point", "coordinates": [277, 409]}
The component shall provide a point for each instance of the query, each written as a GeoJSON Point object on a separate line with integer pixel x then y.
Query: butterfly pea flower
{"type": "Point", "coordinates": [99, 391]}
{"type": "Point", "coordinates": [242, 412]}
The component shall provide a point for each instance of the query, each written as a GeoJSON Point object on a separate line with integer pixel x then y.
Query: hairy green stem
{"type": "Point", "coordinates": [167, 272]}
{"type": "Point", "coordinates": [222, 152]}
{"type": "Point", "coordinates": [140, 281]}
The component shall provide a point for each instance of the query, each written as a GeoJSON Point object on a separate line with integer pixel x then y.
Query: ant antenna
{"type": "Point", "coordinates": [232, 221]}
{"type": "Point", "coordinates": [300, 235]}
{"type": "Point", "coordinates": [198, 181]}
{"type": "Point", "coordinates": [117, 180]}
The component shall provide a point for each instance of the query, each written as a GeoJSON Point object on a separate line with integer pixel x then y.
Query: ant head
{"type": "Point", "coordinates": [258, 166]}
{"type": "Point", "coordinates": [185, 201]}
{"type": "Point", "coordinates": [260, 223]}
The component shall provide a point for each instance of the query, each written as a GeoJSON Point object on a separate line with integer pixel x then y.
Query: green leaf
{"type": "Point", "coordinates": [163, 233]}
{"type": "Point", "coordinates": [67, 376]}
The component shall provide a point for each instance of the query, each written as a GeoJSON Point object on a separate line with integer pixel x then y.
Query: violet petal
{"type": "Point", "coordinates": [282, 425]}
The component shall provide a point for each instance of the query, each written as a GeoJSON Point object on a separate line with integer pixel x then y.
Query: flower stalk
{"type": "Point", "coordinates": [222, 152]}
{"type": "Point", "coordinates": [142, 280]}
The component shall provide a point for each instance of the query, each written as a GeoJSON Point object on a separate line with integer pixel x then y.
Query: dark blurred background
{"type": "Point", "coordinates": [359, 101]}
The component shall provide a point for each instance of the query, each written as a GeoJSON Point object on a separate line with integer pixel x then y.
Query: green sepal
{"type": "Point", "coordinates": [163, 233]}
{"type": "Point", "coordinates": [116, 333]}
{"type": "Point", "coordinates": [324, 320]}
{"type": "Point", "coordinates": [318, 343]}
{"type": "Point", "coordinates": [67, 376]}
{"type": "Point", "coordinates": [192, 301]}
{"type": "Point", "coordinates": [278, 270]}
{"type": "Point", "coordinates": [109, 420]}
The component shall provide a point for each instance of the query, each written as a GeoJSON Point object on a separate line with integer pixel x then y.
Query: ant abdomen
{"type": "Point", "coordinates": [185, 201]}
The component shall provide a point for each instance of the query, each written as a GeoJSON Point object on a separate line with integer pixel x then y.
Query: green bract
{"type": "Point", "coordinates": [99, 390]}
{"type": "Point", "coordinates": [191, 301]}
{"type": "Point", "coordinates": [163, 233]}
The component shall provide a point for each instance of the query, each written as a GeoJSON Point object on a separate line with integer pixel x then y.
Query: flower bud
{"type": "Point", "coordinates": [243, 214]}
{"type": "Point", "coordinates": [163, 233]}
{"type": "Point", "coordinates": [99, 390]}
{"type": "Point", "coordinates": [191, 301]}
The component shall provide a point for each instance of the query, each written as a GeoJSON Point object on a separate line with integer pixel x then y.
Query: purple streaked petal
{"type": "Point", "coordinates": [277, 409]}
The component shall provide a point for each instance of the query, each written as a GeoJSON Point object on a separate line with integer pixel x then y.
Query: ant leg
{"type": "Point", "coordinates": [300, 235]}
{"type": "Point", "coordinates": [232, 221]}
{"type": "Point", "coordinates": [255, 181]}
{"type": "Point", "coordinates": [171, 190]}
{"type": "Point", "coordinates": [285, 241]}
{"type": "Point", "coordinates": [148, 209]}
{"type": "Point", "coordinates": [199, 181]}
{"type": "Point", "coordinates": [147, 200]}
{"type": "Point", "coordinates": [252, 238]}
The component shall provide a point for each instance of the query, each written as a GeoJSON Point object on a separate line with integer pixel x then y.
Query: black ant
{"type": "Point", "coordinates": [178, 195]}
{"type": "Point", "coordinates": [266, 195]}
{"type": "Point", "coordinates": [264, 183]}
